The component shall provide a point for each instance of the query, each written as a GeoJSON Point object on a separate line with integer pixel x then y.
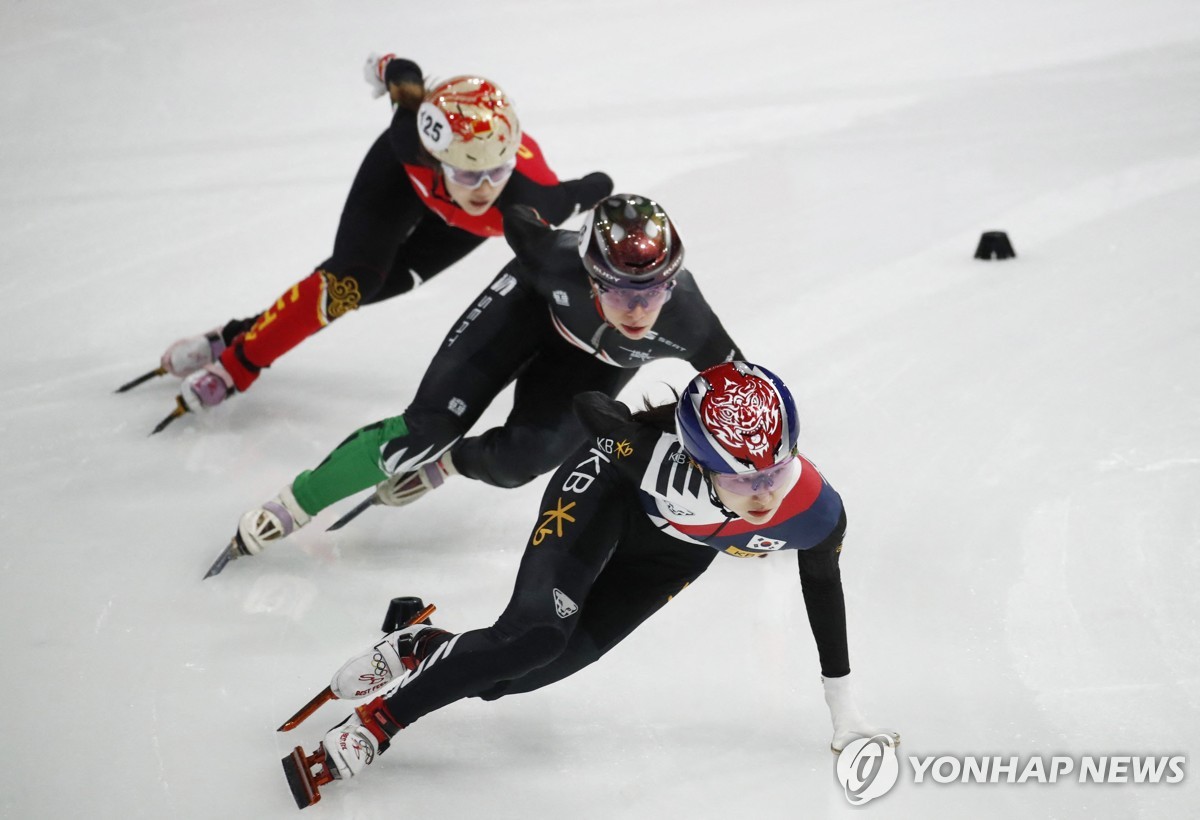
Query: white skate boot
{"type": "Point", "coordinates": [354, 744]}
{"type": "Point", "coordinates": [397, 654]}
{"type": "Point", "coordinates": [274, 520]}
{"type": "Point", "coordinates": [185, 356]}
{"type": "Point", "coordinates": [207, 387]}
{"type": "Point", "coordinates": [405, 488]}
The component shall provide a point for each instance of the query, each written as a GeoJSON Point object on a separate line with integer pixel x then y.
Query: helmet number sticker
{"type": "Point", "coordinates": [433, 127]}
{"type": "Point", "coordinates": [585, 233]}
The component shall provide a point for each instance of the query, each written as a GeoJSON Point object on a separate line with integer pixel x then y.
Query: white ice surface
{"type": "Point", "coordinates": [1018, 442]}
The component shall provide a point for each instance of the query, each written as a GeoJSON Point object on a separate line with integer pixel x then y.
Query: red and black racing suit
{"type": "Point", "coordinates": [399, 228]}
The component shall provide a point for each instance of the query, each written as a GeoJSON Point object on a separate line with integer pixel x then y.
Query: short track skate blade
{"type": "Point", "coordinates": [145, 377]}
{"type": "Point", "coordinates": [358, 510]}
{"type": "Point", "coordinates": [305, 786]}
{"type": "Point", "coordinates": [323, 697]}
{"type": "Point", "coordinates": [228, 554]}
{"type": "Point", "coordinates": [181, 409]}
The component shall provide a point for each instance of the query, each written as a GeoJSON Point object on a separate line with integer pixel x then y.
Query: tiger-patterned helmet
{"type": "Point", "coordinates": [737, 418]}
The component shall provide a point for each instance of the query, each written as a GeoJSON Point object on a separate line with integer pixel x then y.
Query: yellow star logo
{"type": "Point", "coordinates": [555, 517]}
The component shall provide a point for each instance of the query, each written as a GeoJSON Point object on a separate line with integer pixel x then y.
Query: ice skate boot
{"type": "Point", "coordinates": [347, 749]}
{"type": "Point", "coordinates": [185, 356]}
{"type": "Point", "coordinates": [396, 655]}
{"type": "Point", "coordinates": [274, 520]}
{"type": "Point", "coordinates": [405, 488]}
{"type": "Point", "coordinates": [402, 488]}
{"type": "Point", "coordinates": [207, 387]}
{"type": "Point", "coordinates": [353, 745]}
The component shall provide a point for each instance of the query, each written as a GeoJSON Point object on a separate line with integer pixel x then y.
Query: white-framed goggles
{"type": "Point", "coordinates": [473, 179]}
{"type": "Point", "coordinates": [781, 476]}
{"type": "Point", "coordinates": [651, 298]}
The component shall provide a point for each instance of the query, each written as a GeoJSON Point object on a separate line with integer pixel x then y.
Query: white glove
{"type": "Point", "coordinates": [848, 723]}
{"type": "Point", "coordinates": [373, 72]}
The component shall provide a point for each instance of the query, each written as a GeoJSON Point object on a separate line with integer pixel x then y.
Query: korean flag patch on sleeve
{"type": "Point", "coordinates": [758, 542]}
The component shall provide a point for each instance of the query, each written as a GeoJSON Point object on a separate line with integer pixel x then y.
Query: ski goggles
{"type": "Point", "coordinates": [473, 179]}
{"type": "Point", "coordinates": [778, 477]}
{"type": "Point", "coordinates": [629, 298]}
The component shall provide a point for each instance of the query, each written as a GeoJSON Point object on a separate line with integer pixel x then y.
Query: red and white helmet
{"type": "Point", "coordinates": [469, 123]}
{"type": "Point", "coordinates": [737, 417]}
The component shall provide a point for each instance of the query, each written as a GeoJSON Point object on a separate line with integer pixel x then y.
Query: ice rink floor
{"type": "Point", "coordinates": [1017, 442]}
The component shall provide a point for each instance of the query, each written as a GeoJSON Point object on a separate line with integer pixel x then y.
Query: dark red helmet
{"type": "Point", "coordinates": [628, 241]}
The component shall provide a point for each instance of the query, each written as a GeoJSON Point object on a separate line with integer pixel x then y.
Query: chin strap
{"type": "Point", "coordinates": [596, 303]}
{"type": "Point", "coordinates": [715, 500]}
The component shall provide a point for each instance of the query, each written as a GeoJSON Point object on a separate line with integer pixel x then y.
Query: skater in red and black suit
{"type": "Point", "coordinates": [629, 521]}
{"type": "Point", "coordinates": [431, 189]}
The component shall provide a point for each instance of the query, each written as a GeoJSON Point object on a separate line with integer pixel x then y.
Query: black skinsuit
{"type": "Point", "coordinates": [537, 324]}
{"type": "Point", "coordinates": [595, 567]}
